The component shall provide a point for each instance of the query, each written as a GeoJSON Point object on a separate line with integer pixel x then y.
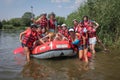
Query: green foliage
{"type": "Point", "coordinates": [26, 18]}
{"type": "Point", "coordinates": [60, 20]}
{"type": "Point", "coordinates": [8, 26]}
{"type": "Point", "coordinates": [15, 22]}
{"type": "Point", "coordinates": [106, 13]}
{"type": "Point", "coordinates": [1, 25]}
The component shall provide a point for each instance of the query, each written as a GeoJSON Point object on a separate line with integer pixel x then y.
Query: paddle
{"type": "Point", "coordinates": [18, 50]}
{"type": "Point", "coordinates": [100, 42]}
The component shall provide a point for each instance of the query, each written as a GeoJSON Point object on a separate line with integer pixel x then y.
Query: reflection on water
{"type": "Point", "coordinates": [66, 69]}
{"type": "Point", "coordinates": [14, 67]}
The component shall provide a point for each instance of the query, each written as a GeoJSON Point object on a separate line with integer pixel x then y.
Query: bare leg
{"type": "Point", "coordinates": [80, 54]}
{"type": "Point", "coordinates": [85, 55]}
{"type": "Point", "coordinates": [93, 48]}
{"type": "Point", "coordinates": [27, 52]}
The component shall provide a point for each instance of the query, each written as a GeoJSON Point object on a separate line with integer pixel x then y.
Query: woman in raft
{"type": "Point", "coordinates": [42, 21]}
{"type": "Point", "coordinates": [27, 39]}
{"type": "Point", "coordinates": [52, 23]}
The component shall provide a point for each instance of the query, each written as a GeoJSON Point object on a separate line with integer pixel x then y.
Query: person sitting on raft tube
{"type": "Point", "coordinates": [62, 34]}
{"type": "Point", "coordinates": [42, 21]}
{"type": "Point", "coordinates": [52, 23]}
{"type": "Point", "coordinates": [27, 39]}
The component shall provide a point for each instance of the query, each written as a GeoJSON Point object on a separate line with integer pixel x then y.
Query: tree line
{"type": "Point", "coordinates": [106, 13]}
{"type": "Point", "coordinates": [24, 21]}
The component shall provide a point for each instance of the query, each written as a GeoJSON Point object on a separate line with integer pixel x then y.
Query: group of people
{"type": "Point", "coordinates": [81, 37]}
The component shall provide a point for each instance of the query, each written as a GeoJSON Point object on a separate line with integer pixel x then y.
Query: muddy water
{"type": "Point", "coordinates": [104, 66]}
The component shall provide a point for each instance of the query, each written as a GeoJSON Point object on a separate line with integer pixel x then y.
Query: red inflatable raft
{"type": "Point", "coordinates": [53, 49]}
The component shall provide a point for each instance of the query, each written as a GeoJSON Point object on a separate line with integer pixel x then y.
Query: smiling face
{"type": "Point", "coordinates": [39, 29]}
{"type": "Point", "coordinates": [75, 23]}
{"type": "Point", "coordinates": [52, 16]}
{"type": "Point", "coordinates": [34, 29]}
{"type": "Point", "coordinates": [85, 18]}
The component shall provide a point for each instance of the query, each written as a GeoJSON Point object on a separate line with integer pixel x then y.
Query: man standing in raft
{"type": "Point", "coordinates": [27, 38]}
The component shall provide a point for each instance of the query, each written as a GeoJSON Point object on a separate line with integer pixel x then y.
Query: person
{"type": "Point", "coordinates": [91, 27]}
{"type": "Point", "coordinates": [92, 37]}
{"type": "Point", "coordinates": [64, 30]}
{"type": "Point", "coordinates": [73, 39]}
{"type": "Point", "coordinates": [63, 33]}
{"type": "Point", "coordinates": [86, 22]}
{"type": "Point", "coordinates": [27, 39]}
{"type": "Point", "coordinates": [83, 46]}
{"type": "Point", "coordinates": [52, 23]}
{"type": "Point", "coordinates": [75, 22]}
{"type": "Point", "coordinates": [42, 21]}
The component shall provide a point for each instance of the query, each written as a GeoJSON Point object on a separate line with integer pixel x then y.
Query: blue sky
{"type": "Point", "coordinates": [16, 8]}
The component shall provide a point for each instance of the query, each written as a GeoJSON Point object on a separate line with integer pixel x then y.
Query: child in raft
{"type": "Point", "coordinates": [27, 39]}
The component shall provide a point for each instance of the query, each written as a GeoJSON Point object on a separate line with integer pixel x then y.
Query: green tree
{"type": "Point", "coordinates": [106, 13]}
{"type": "Point", "coordinates": [15, 21]}
{"type": "Point", "coordinates": [1, 25]}
{"type": "Point", "coordinates": [60, 20]}
{"type": "Point", "coordinates": [26, 18]}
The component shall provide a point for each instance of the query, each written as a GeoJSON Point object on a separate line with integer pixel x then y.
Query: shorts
{"type": "Point", "coordinates": [24, 45]}
{"type": "Point", "coordinates": [82, 47]}
{"type": "Point", "coordinates": [92, 40]}
{"type": "Point", "coordinates": [51, 30]}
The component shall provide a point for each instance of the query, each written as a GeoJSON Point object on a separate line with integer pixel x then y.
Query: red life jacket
{"type": "Point", "coordinates": [64, 32]}
{"type": "Point", "coordinates": [76, 28]}
{"type": "Point", "coordinates": [43, 22]}
{"type": "Point", "coordinates": [86, 23]}
{"type": "Point", "coordinates": [29, 38]}
{"type": "Point", "coordinates": [72, 46]}
{"type": "Point", "coordinates": [52, 24]}
{"type": "Point", "coordinates": [39, 34]}
{"type": "Point", "coordinates": [91, 32]}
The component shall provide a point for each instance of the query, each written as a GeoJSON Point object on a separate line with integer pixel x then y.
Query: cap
{"type": "Point", "coordinates": [33, 25]}
{"type": "Point", "coordinates": [71, 29]}
{"type": "Point", "coordinates": [63, 25]}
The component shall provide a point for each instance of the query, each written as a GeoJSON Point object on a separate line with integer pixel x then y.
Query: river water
{"type": "Point", "coordinates": [104, 66]}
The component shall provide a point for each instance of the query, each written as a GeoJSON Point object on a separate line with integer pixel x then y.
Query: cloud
{"type": "Point", "coordinates": [59, 1]}
{"type": "Point", "coordinates": [79, 2]}
{"type": "Point", "coordinates": [76, 4]}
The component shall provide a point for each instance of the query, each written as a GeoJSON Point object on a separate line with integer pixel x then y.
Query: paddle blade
{"type": "Point", "coordinates": [18, 50]}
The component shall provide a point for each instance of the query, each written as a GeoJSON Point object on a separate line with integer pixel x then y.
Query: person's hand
{"type": "Point", "coordinates": [32, 19]}
{"type": "Point", "coordinates": [20, 40]}
{"type": "Point", "coordinates": [84, 46]}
